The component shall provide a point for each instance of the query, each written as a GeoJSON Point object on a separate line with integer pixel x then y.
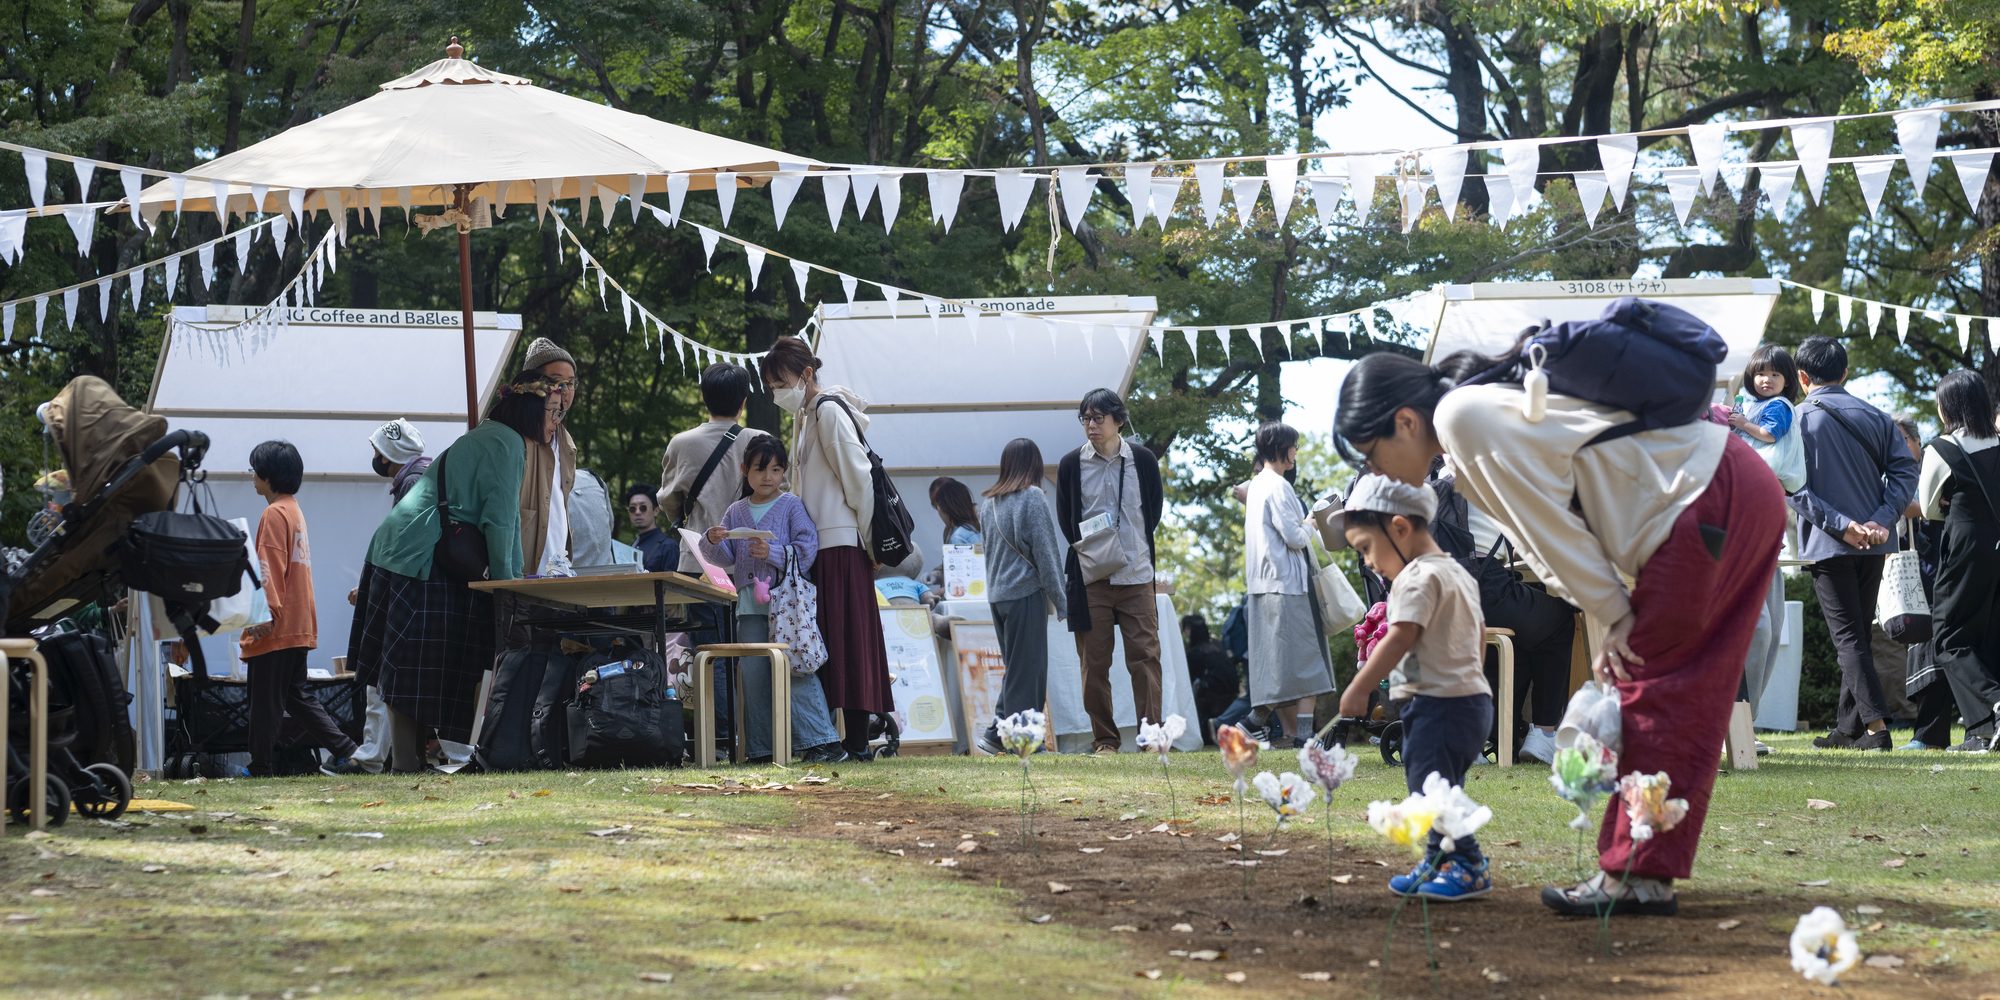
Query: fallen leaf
{"type": "Point", "coordinates": [897, 851]}
{"type": "Point", "coordinates": [1043, 919]}
{"type": "Point", "coordinates": [926, 843]}
{"type": "Point", "coordinates": [45, 893]}
{"type": "Point", "coordinates": [340, 970]}
{"type": "Point", "coordinates": [1235, 977]}
{"type": "Point", "coordinates": [386, 866]}
{"type": "Point", "coordinates": [1816, 883]}
{"type": "Point", "coordinates": [569, 888]}
{"type": "Point", "coordinates": [153, 869]}
{"type": "Point", "coordinates": [656, 977]}
{"type": "Point", "coordinates": [966, 846]}
{"type": "Point", "coordinates": [1162, 828]}
{"type": "Point", "coordinates": [371, 805]}
{"type": "Point", "coordinates": [1884, 962]}
{"type": "Point", "coordinates": [1316, 977]}
{"type": "Point", "coordinates": [1818, 804]}
{"type": "Point", "coordinates": [1090, 850]}
{"type": "Point", "coordinates": [1872, 928]}
{"type": "Point", "coordinates": [1493, 975]}
{"type": "Point", "coordinates": [1238, 848]}
{"type": "Point", "coordinates": [23, 918]}
{"type": "Point", "coordinates": [1867, 910]}
{"type": "Point", "coordinates": [1728, 925]}
{"type": "Point", "coordinates": [1124, 929]}
{"type": "Point", "coordinates": [542, 793]}
{"type": "Point", "coordinates": [1128, 817]}
{"type": "Point", "coordinates": [1204, 955]}
{"type": "Point", "coordinates": [1241, 863]}
{"type": "Point", "coordinates": [1067, 799]}
{"type": "Point", "coordinates": [1343, 879]}
{"type": "Point", "coordinates": [1227, 838]}
{"type": "Point", "coordinates": [1123, 836]}
{"type": "Point", "coordinates": [1279, 853]}
{"type": "Point", "coordinates": [946, 862]}
{"type": "Point", "coordinates": [365, 835]}
{"type": "Point", "coordinates": [1510, 843]}
{"type": "Point", "coordinates": [1895, 863]}
{"type": "Point", "coordinates": [611, 830]}
{"type": "Point", "coordinates": [744, 918]}
{"type": "Point", "coordinates": [1183, 928]}
{"type": "Point", "coordinates": [1145, 974]}
{"type": "Point", "coordinates": [1058, 888]}
{"type": "Point", "coordinates": [821, 779]}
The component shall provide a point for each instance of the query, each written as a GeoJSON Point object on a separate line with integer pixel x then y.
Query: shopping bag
{"type": "Point", "coordinates": [1901, 605]}
{"type": "Point", "coordinates": [1593, 710]}
{"type": "Point", "coordinates": [246, 607]}
{"type": "Point", "coordinates": [795, 619]}
{"type": "Point", "coordinates": [1339, 606]}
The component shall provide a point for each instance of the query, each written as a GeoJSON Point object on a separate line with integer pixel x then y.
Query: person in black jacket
{"type": "Point", "coordinates": [1108, 504]}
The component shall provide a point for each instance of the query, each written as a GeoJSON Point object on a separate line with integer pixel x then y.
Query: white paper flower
{"type": "Point", "coordinates": [1327, 768]}
{"type": "Point", "coordinates": [1647, 805]}
{"type": "Point", "coordinates": [1160, 737]}
{"type": "Point", "coordinates": [1823, 947]}
{"type": "Point", "coordinates": [1023, 731]}
{"type": "Point", "coordinates": [1287, 794]}
{"type": "Point", "coordinates": [1407, 822]}
{"type": "Point", "coordinates": [1457, 815]}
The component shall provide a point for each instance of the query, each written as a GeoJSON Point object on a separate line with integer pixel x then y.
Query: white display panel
{"type": "Point", "coordinates": [1490, 317]}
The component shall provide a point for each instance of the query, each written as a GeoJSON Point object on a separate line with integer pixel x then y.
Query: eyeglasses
{"type": "Point", "coordinates": [1093, 419]}
{"type": "Point", "coordinates": [567, 385]}
{"type": "Point", "coordinates": [639, 508]}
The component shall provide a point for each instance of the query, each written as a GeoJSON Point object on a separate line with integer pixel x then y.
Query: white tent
{"type": "Point", "coordinates": [324, 382]}
{"type": "Point", "coordinates": [1488, 317]}
{"type": "Point", "coordinates": [945, 397]}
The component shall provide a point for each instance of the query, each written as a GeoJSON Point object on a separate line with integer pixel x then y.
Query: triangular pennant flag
{"type": "Point", "coordinates": [848, 283]}
{"type": "Point", "coordinates": [946, 186]}
{"type": "Point", "coordinates": [725, 193]}
{"type": "Point", "coordinates": [784, 187]}
{"type": "Point", "coordinates": [138, 280]}
{"type": "Point", "coordinates": [1284, 179]}
{"type": "Point", "coordinates": [1361, 186]}
{"type": "Point", "coordinates": [1812, 143]}
{"type": "Point", "coordinates": [1075, 185]}
{"type": "Point", "coordinates": [82, 221]}
{"type": "Point", "coordinates": [1014, 189]}
{"type": "Point", "coordinates": [755, 255]}
{"type": "Point", "coordinates": [1166, 191]}
{"type": "Point", "coordinates": [1776, 183]}
{"type": "Point", "coordinates": [375, 210]}
{"type": "Point", "coordinates": [1591, 188]}
{"type": "Point", "coordinates": [84, 168]}
{"type": "Point", "coordinates": [1448, 172]}
{"type": "Point", "coordinates": [13, 235]}
{"type": "Point", "coordinates": [218, 197]}
{"type": "Point", "coordinates": [1368, 323]}
{"type": "Point", "coordinates": [799, 273]}
{"type": "Point", "coordinates": [7, 322]}
{"type": "Point", "coordinates": [1706, 142]}
{"type": "Point", "coordinates": [243, 250]}
{"type": "Point", "coordinates": [931, 307]}
{"type": "Point", "coordinates": [607, 203]}
{"type": "Point", "coordinates": [1917, 133]}
{"type": "Point", "coordinates": [280, 228]}
{"type": "Point", "coordinates": [1522, 160]}
{"type": "Point", "coordinates": [1845, 307]}
{"type": "Point", "coordinates": [1874, 317]}
{"type": "Point", "coordinates": [104, 300]}
{"type": "Point", "coordinates": [1326, 193]}
{"type": "Point", "coordinates": [891, 194]}
{"type": "Point", "coordinates": [1617, 154]}
{"type": "Point", "coordinates": [834, 185]}
{"type": "Point", "coordinates": [42, 311]}
{"type": "Point", "coordinates": [1873, 176]}
{"type": "Point", "coordinates": [1818, 298]}
{"type": "Point", "coordinates": [404, 201]}
{"type": "Point", "coordinates": [635, 191]}
{"type": "Point", "coordinates": [677, 192]}
{"type": "Point", "coordinates": [1222, 338]}
{"type": "Point", "coordinates": [708, 238]}
{"type": "Point", "coordinates": [69, 307]}
{"type": "Point", "coordinates": [1011, 323]}
{"type": "Point", "coordinates": [892, 295]}
{"type": "Point", "coordinates": [864, 191]}
{"type": "Point", "coordinates": [1208, 182]}
{"type": "Point", "coordinates": [625, 303]}
{"type": "Point", "coordinates": [173, 274]}
{"type": "Point", "coordinates": [972, 316]}
{"type": "Point", "coordinates": [1243, 192]}
{"type": "Point", "coordinates": [1972, 172]}
{"type": "Point", "coordinates": [129, 179]}
{"type": "Point", "coordinates": [1682, 186]}
{"type": "Point", "coordinates": [1499, 199]}
{"type": "Point", "coordinates": [1410, 192]}
{"type": "Point", "coordinates": [1902, 325]}
{"type": "Point", "coordinates": [1139, 191]}
{"type": "Point", "coordinates": [37, 166]}
{"type": "Point", "coordinates": [1157, 336]}
{"type": "Point", "coordinates": [545, 192]}
{"type": "Point", "coordinates": [1964, 328]}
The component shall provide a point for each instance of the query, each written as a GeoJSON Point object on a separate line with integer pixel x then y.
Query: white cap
{"type": "Point", "coordinates": [1381, 495]}
{"type": "Point", "coordinates": [399, 441]}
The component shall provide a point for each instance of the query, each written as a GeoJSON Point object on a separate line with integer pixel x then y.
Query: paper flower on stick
{"type": "Point", "coordinates": [1159, 738]}
{"type": "Point", "coordinates": [1441, 805]}
{"type": "Point", "coordinates": [1647, 805]}
{"type": "Point", "coordinates": [1239, 752]}
{"type": "Point", "coordinates": [1582, 773]}
{"type": "Point", "coordinates": [1287, 794]}
{"type": "Point", "coordinates": [1326, 768]}
{"type": "Point", "coordinates": [1823, 947]}
{"type": "Point", "coordinates": [1023, 731]}
{"type": "Point", "coordinates": [1457, 815]}
{"type": "Point", "coordinates": [1407, 822]}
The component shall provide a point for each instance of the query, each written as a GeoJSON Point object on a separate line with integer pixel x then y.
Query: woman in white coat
{"type": "Point", "coordinates": [1289, 666]}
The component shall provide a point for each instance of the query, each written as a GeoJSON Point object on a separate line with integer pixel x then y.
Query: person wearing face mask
{"type": "Point", "coordinates": [398, 457]}
{"type": "Point", "coordinates": [548, 373]}
{"type": "Point", "coordinates": [1289, 667]}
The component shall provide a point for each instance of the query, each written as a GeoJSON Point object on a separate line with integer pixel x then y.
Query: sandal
{"type": "Point", "coordinates": [1639, 897]}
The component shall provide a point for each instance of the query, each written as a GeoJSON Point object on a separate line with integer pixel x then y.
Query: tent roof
{"type": "Point", "coordinates": [1488, 317]}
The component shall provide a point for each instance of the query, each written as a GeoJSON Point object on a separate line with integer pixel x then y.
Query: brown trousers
{"type": "Point", "coordinates": [1132, 611]}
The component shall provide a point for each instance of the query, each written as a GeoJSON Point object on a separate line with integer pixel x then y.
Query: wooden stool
{"type": "Point", "coordinates": [1739, 748]}
{"type": "Point", "coordinates": [779, 655]}
{"type": "Point", "coordinates": [38, 729]}
{"type": "Point", "coordinates": [1502, 639]}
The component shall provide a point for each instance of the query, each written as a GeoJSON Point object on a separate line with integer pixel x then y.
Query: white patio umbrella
{"type": "Point", "coordinates": [451, 134]}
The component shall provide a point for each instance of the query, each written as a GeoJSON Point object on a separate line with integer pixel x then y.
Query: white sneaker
{"type": "Point", "coordinates": [1540, 745]}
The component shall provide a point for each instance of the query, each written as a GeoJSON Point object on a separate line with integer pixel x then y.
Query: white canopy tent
{"type": "Point", "coordinates": [1488, 317]}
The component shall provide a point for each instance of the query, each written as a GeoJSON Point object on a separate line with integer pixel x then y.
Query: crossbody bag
{"type": "Point", "coordinates": [461, 546]}
{"type": "Point", "coordinates": [1098, 555]}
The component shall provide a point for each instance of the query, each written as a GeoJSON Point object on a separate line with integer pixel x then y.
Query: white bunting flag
{"type": "Point", "coordinates": [848, 283]}
{"type": "Point", "coordinates": [972, 317]}
{"type": "Point", "coordinates": [1812, 143]}
{"type": "Point", "coordinates": [1188, 334]}
{"type": "Point", "coordinates": [243, 249]}
{"type": "Point", "coordinates": [1874, 317]}
{"type": "Point", "coordinates": [677, 192]}
{"type": "Point", "coordinates": [1166, 191]}
{"type": "Point", "coordinates": [1326, 192]}
{"type": "Point", "coordinates": [946, 186]}
{"type": "Point", "coordinates": [1682, 186]}
{"type": "Point", "coordinates": [37, 166]}
{"type": "Point", "coordinates": [1284, 179]}
{"type": "Point", "coordinates": [104, 300]}
{"type": "Point", "coordinates": [1499, 199]}
{"type": "Point", "coordinates": [1818, 298]}
{"type": "Point", "coordinates": [1972, 171]}
{"type": "Point", "coordinates": [892, 295]}
{"type": "Point", "coordinates": [1139, 191]}
{"type": "Point", "coordinates": [374, 196]}
{"type": "Point", "coordinates": [130, 180]}
{"type": "Point", "coordinates": [1522, 159]}
{"type": "Point", "coordinates": [1014, 188]}
{"type": "Point", "coordinates": [1902, 325]}
{"type": "Point", "coordinates": [82, 221]}
{"type": "Point", "coordinates": [69, 307]}
{"type": "Point", "coordinates": [708, 239]}
{"type": "Point", "coordinates": [1075, 185]}
{"type": "Point", "coordinates": [1158, 337]}
{"type": "Point", "coordinates": [1776, 183]}
{"type": "Point", "coordinates": [545, 192]}
{"type": "Point", "coordinates": [13, 236]}
{"type": "Point", "coordinates": [891, 195]}
{"type": "Point", "coordinates": [725, 193]}
{"type": "Point", "coordinates": [1221, 334]}
{"type": "Point", "coordinates": [1361, 186]}
{"type": "Point", "coordinates": [1917, 134]}
{"type": "Point", "coordinates": [800, 272]}
{"type": "Point", "coordinates": [1591, 187]}
{"type": "Point", "coordinates": [864, 182]}
{"type": "Point", "coordinates": [784, 186]}
{"type": "Point", "coordinates": [282, 227]}
{"type": "Point", "coordinates": [405, 202]}
{"type": "Point", "coordinates": [635, 192]}
{"type": "Point", "coordinates": [1617, 154]}
{"type": "Point", "coordinates": [625, 304]}
{"type": "Point", "coordinates": [1964, 330]}
{"type": "Point", "coordinates": [1208, 184]}
{"type": "Point", "coordinates": [607, 203]}
{"type": "Point", "coordinates": [1873, 176]}
{"type": "Point", "coordinates": [218, 198]}
{"type": "Point", "coordinates": [7, 322]}
{"type": "Point", "coordinates": [755, 255]}
{"type": "Point", "coordinates": [1845, 307]}
{"type": "Point", "coordinates": [1243, 191]}
{"type": "Point", "coordinates": [1368, 323]}
{"type": "Point", "coordinates": [83, 168]}
{"type": "Point", "coordinates": [1410, 191]}
{"type": "Point", "coordinates": [138, 283]}
{"type": "Point", "coordinates": [173, 274]}
{"type": "Point", "coordinates": [1448, 172]}
{"type": "Point", "coordinates": [42, 312]}
{"type": "Point", "coordinates": [931, 307]}
{"type": "Point", "coordinates": [1706, 142]}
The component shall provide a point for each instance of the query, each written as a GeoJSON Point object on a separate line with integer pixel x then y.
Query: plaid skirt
{"type": "Point", "coordinates": [425, 645]}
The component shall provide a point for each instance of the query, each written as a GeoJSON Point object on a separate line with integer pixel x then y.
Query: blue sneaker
{"type": "Point", "coordinates": [1456, 881]}
{"type": "Point", "coordinates": [1406, 885]}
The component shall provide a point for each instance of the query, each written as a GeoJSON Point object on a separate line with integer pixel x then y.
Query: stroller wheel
{"type": "Point", "coordinates": [109, 794]}
{"type": "Point", "coordinates": [1392, 743]}
{"type": "Point", "coordinates": [58, 793]}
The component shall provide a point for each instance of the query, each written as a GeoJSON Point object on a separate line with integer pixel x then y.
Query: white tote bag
{"type": "Point", "coordinates": [247, 606]}
{"type": "Point", "coordinates": [1901, 605]}
{"type": "Point", "coordinates": [1339, 606]}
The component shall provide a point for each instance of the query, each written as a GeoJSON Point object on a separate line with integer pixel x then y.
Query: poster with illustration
{"type": "Point", "coordinates": [964, 573]}
{"type": "Point", "coordinates": [980, 672]}
{"type": "Point", "coordinates": [923, 709]}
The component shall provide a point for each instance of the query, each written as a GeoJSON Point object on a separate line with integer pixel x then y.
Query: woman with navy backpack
{"type": "Point", "coordinates": [1591, 491]}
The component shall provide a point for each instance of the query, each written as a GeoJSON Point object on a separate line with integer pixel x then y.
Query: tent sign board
{"type": "Point", "coordinates": [324, 382]}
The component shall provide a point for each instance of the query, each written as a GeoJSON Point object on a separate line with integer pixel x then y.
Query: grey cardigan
{"type": "Point", "coordinates": [1022, 557]}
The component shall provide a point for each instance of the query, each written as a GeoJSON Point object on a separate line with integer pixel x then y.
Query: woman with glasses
{"type": "Point", "coordinates": [550, 472]}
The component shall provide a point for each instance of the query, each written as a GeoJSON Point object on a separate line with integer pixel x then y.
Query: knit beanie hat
{"type": "Point", "coordinates": [544, 351]}
{"type": "Point", "coordinates": [399, 441]}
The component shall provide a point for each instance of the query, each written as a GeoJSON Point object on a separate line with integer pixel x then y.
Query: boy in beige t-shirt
{"type": "Point", "coordinates": [1433, 655]}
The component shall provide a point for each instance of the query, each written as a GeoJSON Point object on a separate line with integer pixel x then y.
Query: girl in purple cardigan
{"type": "Point", "coordinates": [755, 564]}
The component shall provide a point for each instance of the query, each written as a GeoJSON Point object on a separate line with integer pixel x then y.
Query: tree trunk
{"type": "Point", "coordinates": [238, 65]}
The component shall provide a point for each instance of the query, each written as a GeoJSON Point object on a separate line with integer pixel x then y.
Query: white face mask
{"type": "Point", "coordinates": [791, 397]}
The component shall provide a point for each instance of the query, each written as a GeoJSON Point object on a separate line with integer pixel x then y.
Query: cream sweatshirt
{"type": "Point", "coordinates": [1628, 492]}
{"type": "Point", "coordinates": [830, 468]}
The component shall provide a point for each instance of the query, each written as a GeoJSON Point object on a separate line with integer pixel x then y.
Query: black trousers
{"type": "Point", "coordinates": [1846, 587]}
{"type": "Point", "coordinates": [277, 690]}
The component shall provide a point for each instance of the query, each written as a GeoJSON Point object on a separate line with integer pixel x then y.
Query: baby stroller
{"type": "Point", "coordinates": [90, 744]}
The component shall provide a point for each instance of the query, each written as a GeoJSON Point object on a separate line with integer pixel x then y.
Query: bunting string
{"type": "Point", "coordinates": [263, 321]}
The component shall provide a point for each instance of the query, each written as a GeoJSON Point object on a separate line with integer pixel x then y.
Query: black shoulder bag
{"type": "Point", "coordinates": [461, 547]}
{"type": "Point", "coordinates": [701, 478]}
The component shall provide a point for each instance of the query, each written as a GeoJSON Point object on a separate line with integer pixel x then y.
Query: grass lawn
{"type": "Point", "coordinates": [580, 885]}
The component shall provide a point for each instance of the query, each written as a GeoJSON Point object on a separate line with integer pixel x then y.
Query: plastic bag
{"type": "Point", "coordinates": [245, 608]}
{"type": "Point", "coordinates": [1593, 709]}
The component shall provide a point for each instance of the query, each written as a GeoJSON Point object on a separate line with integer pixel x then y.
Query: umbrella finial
{"type": "Point", "coordinates": [454, 50]}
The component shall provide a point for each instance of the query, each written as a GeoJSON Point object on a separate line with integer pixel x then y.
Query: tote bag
{"type": "Point", "coordinates": [1901, 606]}
{"type": "Point", "coordinates": [795, 618]}
{"type": "Point", "coordinates": [247, 607]}
{"type": "Point", "coordinates": [1339, 606]}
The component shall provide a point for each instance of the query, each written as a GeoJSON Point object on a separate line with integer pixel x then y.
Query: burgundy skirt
{"type": "Point", "coordinates": [856, 675]}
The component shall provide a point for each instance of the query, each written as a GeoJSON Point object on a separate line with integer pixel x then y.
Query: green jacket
{"type": "Point", "coordinates": [485, 489]}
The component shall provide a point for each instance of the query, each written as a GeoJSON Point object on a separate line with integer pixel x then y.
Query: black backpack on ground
{"type": "Point", "coordinates": [889, 531]}
{"type": "Point", "coordinates": [548, 723]}
{"type": "Point", "coordinates": [621, 714]}
{"type": "Point", "coordinates": [506, 738]}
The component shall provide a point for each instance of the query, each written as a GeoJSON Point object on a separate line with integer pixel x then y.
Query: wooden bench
{"type": "Point", "coordinates": [778, 655]}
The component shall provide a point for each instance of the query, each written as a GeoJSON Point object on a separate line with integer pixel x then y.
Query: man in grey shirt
{"type": "Point", "coordinates": [1860, 476]}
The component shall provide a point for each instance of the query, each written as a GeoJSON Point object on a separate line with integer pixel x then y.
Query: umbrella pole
{"type": "Point", "coordinates": [465, 307]}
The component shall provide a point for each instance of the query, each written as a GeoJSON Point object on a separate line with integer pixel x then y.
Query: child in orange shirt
{"type": "Point", "coordinates": [275, 652]}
